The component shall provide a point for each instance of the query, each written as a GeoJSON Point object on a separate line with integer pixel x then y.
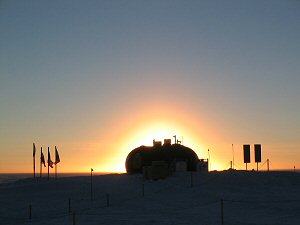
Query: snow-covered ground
{"type": "Point", "coordinates": [248, 198]}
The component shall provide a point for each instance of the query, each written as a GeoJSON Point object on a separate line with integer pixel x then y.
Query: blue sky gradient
{"type": "Point", "coordinates": [73, 72]}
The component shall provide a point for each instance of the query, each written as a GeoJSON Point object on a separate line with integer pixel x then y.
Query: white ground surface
{"type": "Point", "coordinates": [248, 198]}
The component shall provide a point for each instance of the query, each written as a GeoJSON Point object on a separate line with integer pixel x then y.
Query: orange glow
{"type": "Point", "coordinates": [143, 134]}
{"type": "Point", "coordinates": [143, 125]}
{"type": "Point", "coordinates": [107, 151]}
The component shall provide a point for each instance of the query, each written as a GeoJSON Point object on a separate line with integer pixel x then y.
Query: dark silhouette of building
{"type": "Point", "coordinates": [171, 155]}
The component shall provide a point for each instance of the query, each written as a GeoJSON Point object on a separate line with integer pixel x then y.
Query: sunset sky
{"type": "Point", "coordinates": [99, 78]}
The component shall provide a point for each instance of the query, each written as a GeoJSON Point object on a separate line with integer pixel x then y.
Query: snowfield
{"type": "Point", "coordinates": [249, 198]}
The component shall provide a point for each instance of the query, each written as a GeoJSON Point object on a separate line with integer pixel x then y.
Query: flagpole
{"type": "Point", "coordinates": [55, 163]}
{"type": "Point", "coordinates": [33, 160]}
{"type": "Point", "coordinates": [34, 166]}
{"type": "Point", "coordinates": [57, 160]}
{"type": "Point", "coordinates": [55, 171]}
{"type": "Point", "coordinates": [92, 184]}
{"type": "Point", "coordinates": [48, 162]}
{"type": "Point", "coordinates": [41, 163]}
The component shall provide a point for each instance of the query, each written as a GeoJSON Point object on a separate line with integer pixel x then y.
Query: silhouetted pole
{"type": "Point", "coordinates": [48, 163]}
{"type": "Point", "coordinates": [257, 166]}
{"type": "Point", "coordinates": [55, 171]}
{"type": "Point", "coordinates": [41, 163]}
{"type": "Point", "coordinates": [55, 163]}
{"type": "Point", "coordinates": [34, 150]}
{"type": "Point", "coordinates": [57, 160]}
{"type": "Point", "coordinates": [92, 184]}
{"type": "Point", "coordinates": [268, 164]}
{"type": "Point", "coordinates": [208, 163]}
{"type": "Point", "coordinates": [232, 157]}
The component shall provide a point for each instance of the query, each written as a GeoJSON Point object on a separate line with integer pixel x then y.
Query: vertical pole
{"type": "Point", "coordinates": [48, 162]}
{"type": "Point", "coordinates": [92, 184]}
{"type": "Point", "coordinates": [222, 212]}
{"type": "Point", "coordinates": [268, 163]}
{"type": "Point", "coordinates": [55, 171]}
{"type": "Point", "coordinates": [41, 163]}
{"type": "Point", "coordinates": [34, 152]}
{"type": "Point", "coordinates": [257, 166]}
{"type": "Point", "coordinates": [107, 200]}
{"type": "Point", "coordinates": [30, 212]}
{"type": "Point", "coordinates": [34, 166]}
{"type": "Point", "coordinates": [48, 172]}
{"type": "Point", "coordinates": [232, 157]}
{"type": "Point", "coordinates": [208, 161]}
{"type": "Point", "coordinates": [69, 205]}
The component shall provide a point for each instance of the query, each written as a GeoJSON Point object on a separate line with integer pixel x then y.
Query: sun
{"type": "Point", "coordinates": [158, 130]}
{"type": "Point", "coordinates": [141, 129]}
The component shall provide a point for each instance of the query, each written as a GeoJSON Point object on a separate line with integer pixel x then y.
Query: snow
{"type": "Point", "coordinates": [249, 198]}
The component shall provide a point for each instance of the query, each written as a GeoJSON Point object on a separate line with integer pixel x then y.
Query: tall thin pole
{"type": "Point", "coordinates": [57, 160]}
{"type": "Point", "coordinates": [268, 163]}
{"type": "Point", "coordinates": [232, 157]}
{"type": "Point", "coordinates": [34, 160]}
{"type": "Point", "coordinates": [208, 163]}
{"type": "Point", "coordinates": [34, 166]}
{"type": "Point", "coordinates": [48, 162]}
{"type": "Point", "coordinates": [92, 184]}
{"type": "Point", "coordinates": [55, 171]}
{"type": "Point", "coordinates": [41, 162]}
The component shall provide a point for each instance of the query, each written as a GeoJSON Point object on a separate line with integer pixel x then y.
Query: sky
{"type": "Point", "coordinates": [100, 78]}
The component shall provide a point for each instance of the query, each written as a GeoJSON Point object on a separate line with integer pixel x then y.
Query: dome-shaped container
{"type": "Point", "coordinates": [144, 156]}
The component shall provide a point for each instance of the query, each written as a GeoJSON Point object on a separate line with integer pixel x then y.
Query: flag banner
{"type": "Point", "coordinates": [34, 150]}
{"type": "Point", "coordinates": [57, 159]}
{"type": "Point", "coordinates": [43, 159]}
{"type": "Point", "coordinates": [50, 163]}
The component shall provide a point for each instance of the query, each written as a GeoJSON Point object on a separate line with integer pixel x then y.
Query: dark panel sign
{"type": "Point", "coordinates": [257, 151]}
{"type": "Point", "coordinates": [246, 153]}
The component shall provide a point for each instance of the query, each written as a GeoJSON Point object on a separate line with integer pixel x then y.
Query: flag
{"type": "Point", "coordinates": [50, 163]}
{"type": "Point", "coordinates": [33, 150]}
{"type": "Point", "coordinates": [57, 159]}
{"type": "Point", "coordinates": [43, 159]}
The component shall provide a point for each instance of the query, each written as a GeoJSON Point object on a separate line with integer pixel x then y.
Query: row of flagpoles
{"type": "Point", "coordinates": [43, 162]}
